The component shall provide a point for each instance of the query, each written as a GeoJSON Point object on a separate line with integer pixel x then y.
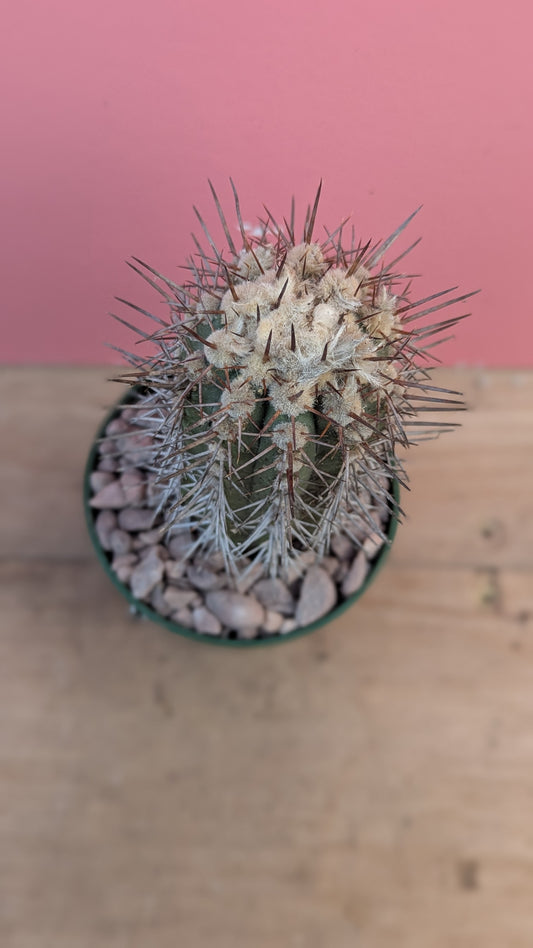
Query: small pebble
{"type": "Point", "coordinates": [124, 566]}
{"type": "Point", "coordinates": [250, 632]}
{"type": "Point", "coordinates": [104, 524]}
{"type": "Point", "coordinates": [356, 575]}
{"type": "Point", "coordinates": [99, 479]}
{"type": "Point", "coordinates": [298, 567]}
{"type": "Point", "coordinates": [179, 544]}
{"type": "Point", "coordinates": [154, 492]}
{"type": "Point", "coordinates": [273, 622]}
{"type": "Point", "coordinates": [174, 570]}
{"type": "Point", "coordinates": [205, 622]}
{"type": "Point", "coordinates": [273, 594]}
{"type": "Point", "coordinates": [179, 598]}
{"type": "Point", "coordinates": [331, 565]}
{"type": "Point", "coordinates": [133, 486]}
{"type": "Point", "coordinates": [318, 596]}
{"type": "Point", "coordinates": [204, 579]}
{"type": "Point", "coordinates": [107, 464]}
{"type": "Point", "coordinates": [213, 561]}
{"type": "Point", "coordinates": [288, 625]}
{"type": "Point", "coordinates": [159, 603]}
{"type": "Point", "coordinates": [342, 546]}
{"type": "Point", "coordinates": [147, 538]}
{"type": "Point", "coordinates": [107, 446]}
{"type": "Point", "coordinates": [235, 610]}
{"type": "Point", "coordinates": [110, 497]}
{"type": "Point", "coordinates": [147, 574]}
{"type": "Point", "coordinates": [372, 545]}
{"type": "Point", "coordinates": [137, 448]}
{"type": "Point", "coordinates": [246, 580]}
{"type": "Point", "coordinates": [117, 426]}
{"type": "Point", "coordinates": [120, 542]}
{"type": "Point", "coordinates": [136, 518]}
{"type": "Point", "coordinates": [184, 617]}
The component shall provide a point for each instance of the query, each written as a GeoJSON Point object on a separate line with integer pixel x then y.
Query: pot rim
{"type": "Point", "coordinates": [144, 609]}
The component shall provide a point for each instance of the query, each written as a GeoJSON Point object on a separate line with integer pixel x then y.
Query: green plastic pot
{"type": "Point", "coordinates": [143, 609]}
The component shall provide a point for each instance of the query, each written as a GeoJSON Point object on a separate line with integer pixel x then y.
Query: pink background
{"type": "Point", "coordinates": [117, 111]}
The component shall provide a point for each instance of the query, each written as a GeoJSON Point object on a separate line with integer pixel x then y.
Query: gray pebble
{"type": "Point", "coordinates": [107, 446]}
{"type": "Point", "coordinates": [298, 566]}
{"type": "Point", "coordinates": [137, 448]}
{"type": "Point", "coordinates": [107, 464]}
{"type": "Point", "coordinates": [174, 570]}
{"type": "Point", "coordinates": [288, 625]}
{"type": "Point", "coordinates": [273, 622]}
{"type": "Point", "coordinates": [147, 574]}
{"type": "Point", "coordinates": [372, 545]}
{"type": "Point", "coordinates": [154, 492]}
{"type": "Point", "coordinates": [179, 544]}
{"type": "Point", "coordinates": [342, 546]}
{"type": "Point", "coordinates": [235, 610]}
{"type": "Point", "coordinates": [133, 486]}
{"type": "Point", "coordinates": [99, 479]}
{"type": "Point", "coordinates": [117, 426]}
{"type": "Point", "coordinates": [246, 580]}
{"type": "Point", "coordinates": [205, 622]}
{"type": "Point", "coordinates": [179, 598]}
{"type": "Point", "coordinates": [331, 565]}
{"type": "Point", "coordinates": [110, 497]}
{"type": "Point", "coordinates": [250, 632]}
{"type": "Point", "coordinates": [213, 561]}
{"type": "Point", "coordinates": [136, 518]}
{"type": "Point", "coordinates": [159, 603]}
{"type": "Point", "coordinates": [124, 566]}
{"type": "Point", "coordinates": [273, 594]}
{"type": "Point", "coordinates": [120, 542]}
{"type": "Point", "coordinates": [356, 575]}
{"type": "Point", "coordinates": [184, 617]}
{"type": "Point", "coordinates": [204, 579]}
{"type": "Point", "coordinates": [147, 538]}
{"type": "Point", "coordinates": [318, 596]}
{"type": "Point", "coordinates": [104, 524]}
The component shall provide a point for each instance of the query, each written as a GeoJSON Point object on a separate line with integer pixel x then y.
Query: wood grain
{"type": "Point", "coordinates": [369, 785]}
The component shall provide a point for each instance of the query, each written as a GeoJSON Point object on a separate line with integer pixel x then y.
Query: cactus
{"type": "Point", "coordinates": [284, 380]}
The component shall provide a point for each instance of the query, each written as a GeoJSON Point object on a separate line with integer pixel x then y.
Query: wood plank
{"type": "Point", "coordinates": [368, 785]}
{"type": "Point", "coordinates": [371, 784]}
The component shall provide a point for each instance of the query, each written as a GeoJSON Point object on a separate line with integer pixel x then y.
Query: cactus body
{"type": "Point", "coordinates": [284, 380]}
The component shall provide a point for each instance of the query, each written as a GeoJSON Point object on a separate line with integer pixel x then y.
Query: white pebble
{"type": "Point", "coordinates": [110, 497]}
{"type": "Point", "coordinates": [147, 574]}
{"type": "Point", "coordinates": [136, 518]}
{"type": "Point", "coordinates": [179, 598]}
{"type": "Point", "coordinates": [273, 621]}
{"type": "Point", "coordinates": [318, 596]}
{"type": "Point", "coordinates": [104, 524]}
{"type": "Point", "coordinates": [356, 575]}
{"type": "Point", "coordinates": [120, 542]}
{"type": "Point", "coordinates": [205, 622]}
{"type": "Point", "coordinates": [372, 545]}
{"type": "Point", "coordinates": [273, 594]}
{"type": "Point", "coordinates": [235, 610]}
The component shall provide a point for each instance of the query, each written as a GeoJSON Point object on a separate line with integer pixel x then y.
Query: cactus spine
{"type": "Point", "coordinates": [285, 377]}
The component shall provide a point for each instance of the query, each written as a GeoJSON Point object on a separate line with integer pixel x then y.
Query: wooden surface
{"type": "Point", "coordinates": [370, 785]}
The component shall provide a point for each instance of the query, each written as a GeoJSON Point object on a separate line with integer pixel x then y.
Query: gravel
{"type": "Point", "coordinates": [195, 591]}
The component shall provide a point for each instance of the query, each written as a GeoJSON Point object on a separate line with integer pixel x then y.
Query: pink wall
{"type": "Point", "coordinates": [118, 110]}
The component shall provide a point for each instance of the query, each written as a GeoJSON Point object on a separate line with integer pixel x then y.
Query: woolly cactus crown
{"type": "Point", "coordinates": [285, 377]}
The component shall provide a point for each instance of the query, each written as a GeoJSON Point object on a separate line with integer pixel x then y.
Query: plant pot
{"type": "Point", "coordinates": [142, 608]}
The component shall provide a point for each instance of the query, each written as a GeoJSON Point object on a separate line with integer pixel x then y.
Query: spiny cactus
{"type": "Point", "coordinates": [286, 376]}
